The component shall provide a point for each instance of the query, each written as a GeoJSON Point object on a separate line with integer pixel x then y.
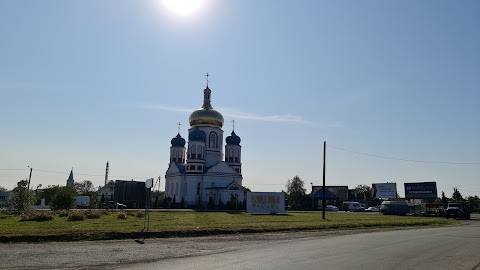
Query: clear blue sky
{"type": "Point", "coordinates": [85, 82]}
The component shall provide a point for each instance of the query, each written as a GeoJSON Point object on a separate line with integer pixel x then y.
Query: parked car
{"type": "Point", "coordinates": [352, 206]}
{"type": "Point", "coordinates": [458, 210]}
{"type": "Point", "coordinates": [371, 209]}
{"type": "Point", "coordinates": [394, 208]}
{"type": "Point", "coordinates": [331, 208]}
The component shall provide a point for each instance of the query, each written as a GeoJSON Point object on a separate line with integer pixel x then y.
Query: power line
{"type": "Point", "coordinates": [83, 174]}
{"type": "Point", "coordinates": [406, 160]}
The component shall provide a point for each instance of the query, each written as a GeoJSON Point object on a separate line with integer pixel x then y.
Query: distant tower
{"type": "Point", "coordinates": [177, 150]}
{"type": "Point", "coordinates": [70, 182]}
{"type": "Point", "coordinates": [233, 151]}
{"type": "Point", "coordinates": [106, 174]}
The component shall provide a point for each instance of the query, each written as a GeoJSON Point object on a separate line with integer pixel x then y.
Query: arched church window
{"type": "Point", "coordinates": [237, 155]}
{"type": "Point", "coordinates": [180, 157]}
{"type": "Point", "coordinates": [213, 140]}
{"type": "Point", "coordinates": [230, 155]}
{"type": "Point", "coordinates": [194, 152]}
{"type": "Point", "coordinates": [199, 152]}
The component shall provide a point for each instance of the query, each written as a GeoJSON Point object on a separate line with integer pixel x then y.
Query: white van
{"type": "Point", "coordinates": [352, 206]}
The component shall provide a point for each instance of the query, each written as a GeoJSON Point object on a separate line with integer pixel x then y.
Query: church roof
{"type": "Point", "coordinates": [178, 141]}
{"type": "Point", "coordinates": [206, 115]}
{"type": "Point", "coordinates": [181, 168]}
{"type": "Point", "coordinates": [70, 178]}
{"type": "Point", "coordinates": [233, 139]}
{"type": "Point", "coordinates": [197, 135]}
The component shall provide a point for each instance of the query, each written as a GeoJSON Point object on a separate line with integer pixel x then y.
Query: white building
{"type": "Point", "coordinates": [199, 172]}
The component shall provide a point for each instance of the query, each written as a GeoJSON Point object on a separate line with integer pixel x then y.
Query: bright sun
{"type": "Point", "coordinates": [183, 7]}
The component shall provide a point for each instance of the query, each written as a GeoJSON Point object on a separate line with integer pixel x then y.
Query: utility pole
{"type": "Point", "coordinates": [29, 177]}
{"type": "Point", "coordinates": [324, 201]}
{"type": "Point", "coordinates": [313, 207]}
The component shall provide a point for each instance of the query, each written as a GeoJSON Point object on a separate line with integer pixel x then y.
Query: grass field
{"type": "Point", "coordinates": [193, 223]}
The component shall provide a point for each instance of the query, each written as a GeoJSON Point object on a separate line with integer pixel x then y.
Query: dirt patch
{"type": "Point", "coordinates": [190, 233]}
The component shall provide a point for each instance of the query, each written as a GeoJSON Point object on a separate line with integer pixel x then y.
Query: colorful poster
{"type": "Point", "coordinates": [265, 202]}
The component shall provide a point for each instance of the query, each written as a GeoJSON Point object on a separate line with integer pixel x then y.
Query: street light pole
{"type": "Point", "coordinates": [324, 191]}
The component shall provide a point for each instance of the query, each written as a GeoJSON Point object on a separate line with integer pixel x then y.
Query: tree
{"type": "Point", "coordinates": [2, 189]}
{"type": "Point", "coordinates": [182, 203]}
{"type": "Point", "coordinates": [456, 196]}
{"type": "Point", "coordinates": [211, 203]}
{"type": "Point", "coordinates": [47, 193]}
{"type": "Point", "coordinates": [474, 202]}
{"type": "Point", "coordinates": [363, 192]}
{"type": "Point", "coordinates": [64, 199]}
{"type": "Point", "coordinates": [295, 192]}
{"type": "Point", "coordinates": [84, 187]}
{"type": "Point", "coordinates": [93, 199]}
{"type": "Point", "coordinates": [158, 198]}
{"type": "Point", "coordinates": [444, 198]}
{"type": "Point", "coordinates": [22, 197]}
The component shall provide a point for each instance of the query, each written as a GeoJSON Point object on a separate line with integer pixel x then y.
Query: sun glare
{"type": "Point", "coordinates": [183, 7]}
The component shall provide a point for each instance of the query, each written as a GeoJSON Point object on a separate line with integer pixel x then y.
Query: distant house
{"type": "Point", "coordinates": [107, 191]}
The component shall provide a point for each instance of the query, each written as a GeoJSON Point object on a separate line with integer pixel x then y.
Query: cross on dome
{"type": "Point", "coordinates": [207, 75]}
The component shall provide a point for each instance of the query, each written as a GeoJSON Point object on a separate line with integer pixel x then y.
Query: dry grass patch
{"type": "Point", "coordinates": [191, 223]}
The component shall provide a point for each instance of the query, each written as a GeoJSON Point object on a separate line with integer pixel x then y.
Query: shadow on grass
{"type": "Point", "coordinates": [270, 214]}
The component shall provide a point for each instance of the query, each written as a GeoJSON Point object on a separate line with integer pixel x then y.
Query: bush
{"type": "Point", "coordinates": [140, 214]}
{"type": "Point", "coordinates": [122, 215]}
{"type": "Point", "coordinates": [36, 216]}
{"type": "Point", "coordinates": [63, 199]}
{"type": "Point", "coordinates": [130, 213]}
{"type": "Point", "coordinates": [76, 216]}
{"type": "Point", "coordinates": [92, 214]}
{"type": "Point", "coordinates": [63, 213]}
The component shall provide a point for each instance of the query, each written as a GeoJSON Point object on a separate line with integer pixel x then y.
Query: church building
{"type": "Point", "coordinates": [198, 173]}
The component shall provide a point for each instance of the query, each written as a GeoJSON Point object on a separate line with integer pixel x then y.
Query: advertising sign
{"type": "Point", "coordinates": [384, 190]}
{"type": "Point", "coordinates": [339, 193]}
{"type": "Point", "coordinates": [4, 198]}
{"type": "Point", "coordinates": [421, 190]}
{"type": "Point", "coordinates": [265, 202]}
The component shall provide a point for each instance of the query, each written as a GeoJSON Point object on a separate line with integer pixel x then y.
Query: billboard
{"type": "Point", "coordinates": [338, 193]}
{"type": "Point", "coordinates": [265, 202]}
{"type": "Point", "coordinates": [384, 190]}
{"type": "Point", "coordinates": [5, 198]}
{"type": "Point", "coordinates": [421, 190]}
{"type": "Point", "coordinates": [131, 193]}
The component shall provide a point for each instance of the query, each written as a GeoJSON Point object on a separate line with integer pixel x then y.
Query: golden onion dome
{"type": "Point", "coordinates": [206, 115]}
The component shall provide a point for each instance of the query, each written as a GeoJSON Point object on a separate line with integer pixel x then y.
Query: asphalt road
{"type": "Point", "coordinates": [432, 248]}
{"type": "Point", "coordinates": [439, 248]}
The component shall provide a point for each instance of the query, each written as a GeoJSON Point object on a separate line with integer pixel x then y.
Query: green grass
{"type": "Point", "coordinates": [192, 223]}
